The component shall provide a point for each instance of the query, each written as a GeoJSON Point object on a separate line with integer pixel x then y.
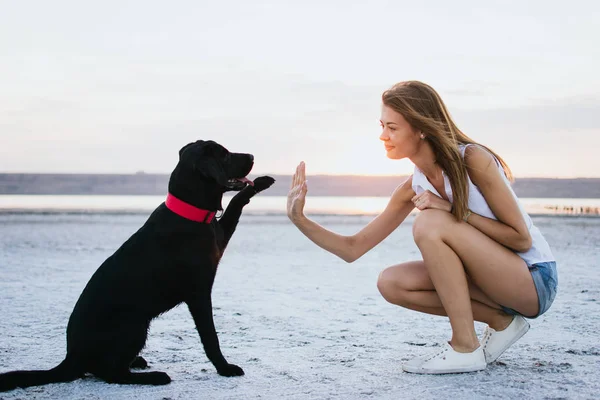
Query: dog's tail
{"type": "Point", "coordinates": [66, 371]}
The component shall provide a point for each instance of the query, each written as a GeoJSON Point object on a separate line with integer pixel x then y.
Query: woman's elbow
{"type": "Point", "coordinates": [350, 255]}
{"type": "Point", "coordinates": [349, 258]}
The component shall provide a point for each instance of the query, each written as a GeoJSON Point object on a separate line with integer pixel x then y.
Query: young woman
{"type": "Point", "coordinates": [483, 259]}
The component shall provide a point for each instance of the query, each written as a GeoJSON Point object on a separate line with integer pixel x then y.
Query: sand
{"type": "Point", "coordinates": [302, 323]}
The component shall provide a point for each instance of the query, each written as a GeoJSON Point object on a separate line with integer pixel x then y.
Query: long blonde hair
{"type": "Point", "coordinates": [424, 110]}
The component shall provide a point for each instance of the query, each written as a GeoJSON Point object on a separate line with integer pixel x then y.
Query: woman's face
{"type": "Point", "coordinates": [399, 138]}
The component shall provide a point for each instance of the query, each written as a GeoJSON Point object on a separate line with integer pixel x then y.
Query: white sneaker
{"type": "Point", "coordinates": [447, 361]}
{"type": "Point", "coordinates": [494, 342]}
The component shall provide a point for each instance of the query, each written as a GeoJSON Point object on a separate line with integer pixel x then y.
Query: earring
{"type": "Point", "coordinates": [422, 136]}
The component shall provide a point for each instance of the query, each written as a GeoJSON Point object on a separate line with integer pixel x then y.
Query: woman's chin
{"type": "Point", "coordinates": [392, 155]}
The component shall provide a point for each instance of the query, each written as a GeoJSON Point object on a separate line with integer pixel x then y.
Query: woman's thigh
{"type": "Point", "coordinates": [498, 271]}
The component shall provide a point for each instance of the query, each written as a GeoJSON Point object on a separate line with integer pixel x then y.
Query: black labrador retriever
{"type": "Point", "coordinates": [171, 259]}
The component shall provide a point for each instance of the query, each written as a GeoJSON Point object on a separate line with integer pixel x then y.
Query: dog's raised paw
{"type": "Point", "coordinates": [263, 182]}
{"type": "Point", "coordinates": [230, 370]}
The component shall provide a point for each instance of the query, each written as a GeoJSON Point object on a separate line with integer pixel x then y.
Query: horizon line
{"type": "Point", "coordinates": [142, 173]}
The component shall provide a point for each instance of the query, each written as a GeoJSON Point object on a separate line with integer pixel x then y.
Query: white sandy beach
{"type": "Point", "coordinates": [302, 323]}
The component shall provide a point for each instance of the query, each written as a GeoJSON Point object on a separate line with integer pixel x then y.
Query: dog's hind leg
{"type": "Point", "coordinates": [117, 352]}
{"type": "Point", "coordinates": [124, 376]}
{"type": "Point", "coordinates": [114, 368]}
{"type": "Point", "coordinates": [139, 363]}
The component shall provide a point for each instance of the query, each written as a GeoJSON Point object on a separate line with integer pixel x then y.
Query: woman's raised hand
{"type": "Point", "coordinates": [297, 195]}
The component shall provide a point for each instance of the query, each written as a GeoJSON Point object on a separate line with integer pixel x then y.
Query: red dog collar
{"type": "Point", "coordinates": [188, 211]}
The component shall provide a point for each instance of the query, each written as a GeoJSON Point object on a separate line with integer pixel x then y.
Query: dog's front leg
{"type": "Point", "coordinates": [201, 309]}
{"type": "Point", "coordinates": [231, 216]}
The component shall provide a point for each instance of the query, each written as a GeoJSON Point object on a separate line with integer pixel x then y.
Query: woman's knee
{"type": "Point", "coordinates": [389, 284]}
{"type": "Point", "coordinates": [430, 225]}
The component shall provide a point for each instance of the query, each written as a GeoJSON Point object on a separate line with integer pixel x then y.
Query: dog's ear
{"type": "Point", "coordinates": [200, 156]}
{"type": "Point", "coordinates": [210, 168]}
{"type": "Point", "coordinates": [184, 148]}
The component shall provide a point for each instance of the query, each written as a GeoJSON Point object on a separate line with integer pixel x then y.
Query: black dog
{"type": "Point", "coordinates": [171, 259]}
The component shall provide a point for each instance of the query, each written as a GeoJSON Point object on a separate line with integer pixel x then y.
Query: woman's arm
{"type": "Point", "coordinates": [510, 229]}
{"type": "Point", "coordinates": [349, 248]}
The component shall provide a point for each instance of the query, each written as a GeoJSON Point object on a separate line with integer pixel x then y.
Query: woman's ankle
{"type": "Point", "coordinates": [501, 321]}
{"type": "Point", "coordinates": [465, 348]}
{"type": "Point", "coordinates": [465, 345]}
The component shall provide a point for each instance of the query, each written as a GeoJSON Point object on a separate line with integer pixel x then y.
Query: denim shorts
{"type": "Point", "coordinates": [545, 279]}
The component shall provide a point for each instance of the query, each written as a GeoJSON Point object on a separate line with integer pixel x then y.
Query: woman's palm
{"type": "Point", "coordinates": [297, 194]}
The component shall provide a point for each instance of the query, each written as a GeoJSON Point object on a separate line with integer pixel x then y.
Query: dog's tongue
{"type": "Point", "coordinates": [246, 180]}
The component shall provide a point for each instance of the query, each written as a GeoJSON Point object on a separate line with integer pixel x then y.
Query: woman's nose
{"type": "Point", "coordinates": [384, 136]}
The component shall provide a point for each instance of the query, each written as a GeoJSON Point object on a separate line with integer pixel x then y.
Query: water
{"type": "Point", "coordinates": [261, 205]}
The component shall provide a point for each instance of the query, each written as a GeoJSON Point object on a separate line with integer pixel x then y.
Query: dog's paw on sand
{"type": "Point", "coordinates": [230, 370]}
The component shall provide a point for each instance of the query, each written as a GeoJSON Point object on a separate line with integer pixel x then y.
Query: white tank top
{"type": "Point", "coordinates": [539, 251]}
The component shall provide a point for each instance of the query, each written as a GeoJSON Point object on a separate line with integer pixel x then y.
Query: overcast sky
{"type": "Point", "coordinates": [120, 86]}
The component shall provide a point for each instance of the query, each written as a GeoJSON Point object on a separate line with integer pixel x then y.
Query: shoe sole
{"type": "Point", "coordinates": [418, 370]}
{"type": "Point", "coordinates": [521, 333]}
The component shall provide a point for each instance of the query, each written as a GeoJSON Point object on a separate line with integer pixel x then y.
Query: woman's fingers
{"type": "Point", "coordinates": [418, 197]}
{"type": "Point", "coordinates": [304, 189]}
{"type": "Point", "coordinates": [300, 175]}
{"type": "Point", "coordinates": [295, 177]}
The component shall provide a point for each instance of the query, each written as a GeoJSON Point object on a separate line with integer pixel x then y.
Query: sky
{"type": "Point", "coordinates": [121, 86]}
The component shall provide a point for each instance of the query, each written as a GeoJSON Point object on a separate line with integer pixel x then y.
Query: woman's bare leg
{"type": "Point", "coordinates": [451, 250]}
{"type": "Point", "coordinates": [408, 285]}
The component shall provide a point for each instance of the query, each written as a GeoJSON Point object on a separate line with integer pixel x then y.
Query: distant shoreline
{"type": "Point", "coordinates": [319, 185]}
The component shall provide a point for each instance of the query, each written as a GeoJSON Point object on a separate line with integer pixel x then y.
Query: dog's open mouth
{"type": "Point", "coordinates": [239, 183]}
